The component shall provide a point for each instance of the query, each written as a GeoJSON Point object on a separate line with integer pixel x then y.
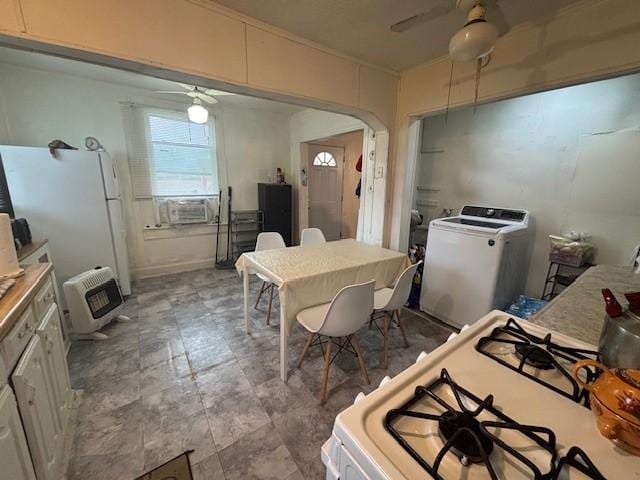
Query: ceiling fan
{"type": "Point", "coordinates": [476, 39]}
{"type": "Point", "coordinates": [197, 112]}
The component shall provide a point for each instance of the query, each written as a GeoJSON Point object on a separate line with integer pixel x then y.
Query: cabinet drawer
{"type": "Point", "coordinates": [44, 298]}
{"type": "Point", "coordinates": [14, 343]}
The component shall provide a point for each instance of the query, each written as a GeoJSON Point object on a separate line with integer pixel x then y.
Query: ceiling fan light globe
{"type": "Point", "coordinates": [475, 40]}
{"type": "Point", "coordinates": [197, 113]}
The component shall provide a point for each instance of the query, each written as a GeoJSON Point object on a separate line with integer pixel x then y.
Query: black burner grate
{"type": "Point", "coordinates": [471, 441]}
{"type": "Point", "coordinates": [576, 458]}
{"type": "Point", "coordinates": [541, 353]}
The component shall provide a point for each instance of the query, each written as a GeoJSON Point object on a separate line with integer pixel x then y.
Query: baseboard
{"type": "Point", "coordinates": [168, 268]}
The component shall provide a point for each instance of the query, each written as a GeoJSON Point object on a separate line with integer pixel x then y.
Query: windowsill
{"type": "Point", "coordinates": [153, 232]}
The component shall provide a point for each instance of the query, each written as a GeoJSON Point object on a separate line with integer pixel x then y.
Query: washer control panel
{"type": "Point", "coordinates": [493, 212]}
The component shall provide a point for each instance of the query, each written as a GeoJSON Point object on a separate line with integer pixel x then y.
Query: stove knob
{"type": "Point", "coordinates": [359, 397]}
{"type": "Point", "coordinates": [452, 336]}
{"type": "Point", "coordinates": [421, 356]}
{"type": "Point", "coordinates": [490, 212]}
{"type": "Point", "coordinates": [385, 380]}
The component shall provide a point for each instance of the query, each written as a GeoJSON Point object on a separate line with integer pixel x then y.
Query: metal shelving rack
{"type": "Point", "coordinates": [246, 225]}
{"type": "Point", "coordinates": [561, 275]}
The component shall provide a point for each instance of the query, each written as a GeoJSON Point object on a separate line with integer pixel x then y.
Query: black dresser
{"type": "Point", "coordinates": [274, 200]}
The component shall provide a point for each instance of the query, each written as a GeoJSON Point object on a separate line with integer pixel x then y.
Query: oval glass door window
{"type": "Point", "coordinates": [324, 159]}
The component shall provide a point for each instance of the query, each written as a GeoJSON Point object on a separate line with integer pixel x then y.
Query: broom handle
{"type": "Point", "coordinates": [218, 226]}
{"type": "Point", "coordinates": [229, 227]}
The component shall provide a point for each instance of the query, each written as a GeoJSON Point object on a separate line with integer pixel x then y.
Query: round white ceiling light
{"type": "Point", "coordinates": [475, 40]}
{"type": "Point", "coordinates": [197, 113]}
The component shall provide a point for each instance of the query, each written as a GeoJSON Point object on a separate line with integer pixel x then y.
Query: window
{"type": "Point", "coordinates": [5, 197]}
{"type": "Point", "coordinates": [182, 156]}
{"type": "Point", "coordinates": [324, 159]}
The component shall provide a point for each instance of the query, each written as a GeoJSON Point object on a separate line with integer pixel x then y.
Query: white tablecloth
{"type": "Point", "coordinates": [313, 274]}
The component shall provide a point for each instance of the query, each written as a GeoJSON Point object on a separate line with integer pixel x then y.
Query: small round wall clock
{"type": "Point", "coordinates": [93, 144]}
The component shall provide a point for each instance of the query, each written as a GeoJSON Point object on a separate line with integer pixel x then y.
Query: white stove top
{"type": "Point", "coordinates": [361, 427]}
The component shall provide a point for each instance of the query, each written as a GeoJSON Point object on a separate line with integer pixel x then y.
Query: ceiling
{"type": "Point", "coordinates": [51, 63]}
{"type": "Point", "coordinates": [360, 28]}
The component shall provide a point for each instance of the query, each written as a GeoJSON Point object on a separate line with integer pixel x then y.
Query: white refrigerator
{"type": "Point", "coordinates": [73, 200]}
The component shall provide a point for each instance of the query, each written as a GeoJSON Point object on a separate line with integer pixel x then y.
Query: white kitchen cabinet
{"type": "Point", "coordinates": [50, 334]}
{"type": "Point", "coordinates": [42, 254]}
{"type": "Point", "coordinates": [15, 460]}
{"type": "Point", "coordinates": [35, 390]}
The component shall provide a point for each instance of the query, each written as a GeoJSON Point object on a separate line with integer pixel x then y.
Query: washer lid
{"type": "Point", "coordinates": [475, 223]}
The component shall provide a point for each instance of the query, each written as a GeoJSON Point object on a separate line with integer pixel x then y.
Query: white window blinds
{"type": "Point", "coordinates": [168, 155]}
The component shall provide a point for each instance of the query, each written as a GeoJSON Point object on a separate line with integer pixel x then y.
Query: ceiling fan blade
{"type": "Point", "coordinates": [211, 92]}
{"type": "Point", "coordinates": [431, 14]}
{"type": "Point", "coordinates": [189, 88]}
{"type": "Point", "coordinates": [205, 98]}
{"type": "Point", "coordinates": [166, 91]}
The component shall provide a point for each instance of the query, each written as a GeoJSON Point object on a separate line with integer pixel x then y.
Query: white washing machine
{"type": "Point", "coordinates": [475, 262]}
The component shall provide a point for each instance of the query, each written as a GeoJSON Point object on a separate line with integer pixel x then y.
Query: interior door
{"type": "Point", "coordinates": [37, 403]}
{"type": "Point", "coordinates": [325, 189]}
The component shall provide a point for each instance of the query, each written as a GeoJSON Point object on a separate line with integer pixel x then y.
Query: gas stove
{"type": "Point", "coordinates": [492, 403]}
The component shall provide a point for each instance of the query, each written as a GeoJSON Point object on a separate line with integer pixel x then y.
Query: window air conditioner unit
{"type": "Point", "coordinates": [186, 211]}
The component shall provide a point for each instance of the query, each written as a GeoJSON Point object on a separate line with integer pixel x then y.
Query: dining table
{"type": "Point", "coordinates": [309, 275]}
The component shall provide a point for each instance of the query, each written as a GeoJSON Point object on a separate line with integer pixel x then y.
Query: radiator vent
{"type": "Point", "coordinates": [97, 277]}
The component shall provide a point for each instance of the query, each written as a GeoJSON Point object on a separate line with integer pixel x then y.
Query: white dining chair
{"type": "Point", "coordinates": [335, 323]}
{"type": "Point", "coordinates": [312, 236]}
{"type": "Point", "coordinates": [387, 304]}
{"type": "Point", "coordinates": [267, 241]}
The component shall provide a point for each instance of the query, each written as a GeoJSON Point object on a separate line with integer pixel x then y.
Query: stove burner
{"type": "Point", "coordinates": [541, 353]}
{"type": "Point", "coordinates": [465, 435]}
{"type": "Point", "coordinates": [534, 356]}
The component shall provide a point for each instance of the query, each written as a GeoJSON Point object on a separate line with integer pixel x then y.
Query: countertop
{"type": "Point", "coordinates": [29, 249]}
{"type": "Point", "coordinates": [18, 297]}
{"type": "Point", "coordinates": [579, 310]}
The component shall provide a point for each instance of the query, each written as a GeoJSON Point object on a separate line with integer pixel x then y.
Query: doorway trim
{"type": "Point", "coordinates": [370, 227]}
{"type": "Point", "coordinates": [299, 161]}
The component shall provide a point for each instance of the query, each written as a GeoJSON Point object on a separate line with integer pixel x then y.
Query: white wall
{"type": "Point", "coordinates": [558, 154]}
{"type": "Point", "coordinates": [303, 127]}
{"type": "Point", "coordinates": [38, 106]}
{"type": "Point", "coordinates": [588, 40]}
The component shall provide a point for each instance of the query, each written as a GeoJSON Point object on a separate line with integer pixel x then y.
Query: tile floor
{"type": "Point", "coordinates": [184, 374]}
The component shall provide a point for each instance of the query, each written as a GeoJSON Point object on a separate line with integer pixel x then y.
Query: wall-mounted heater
{"type": "Point", "coordinates": [94, 299]}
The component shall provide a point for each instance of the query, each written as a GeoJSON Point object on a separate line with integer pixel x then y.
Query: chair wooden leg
{"type": "Point", "coordinates": [306, 349]}
{"type": "Point", "coordinates": [363, 368]}
{"type": "Point", "coordinates": [325, 373]}
{"type": "Point", "coordinates": [260, 294]}
{"type": "Point", "coordinates": [385, 334]}
{"type": "Point", "coordinates": [404, 334]}
{"type": "Point", "coordinates": [270, 302]}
